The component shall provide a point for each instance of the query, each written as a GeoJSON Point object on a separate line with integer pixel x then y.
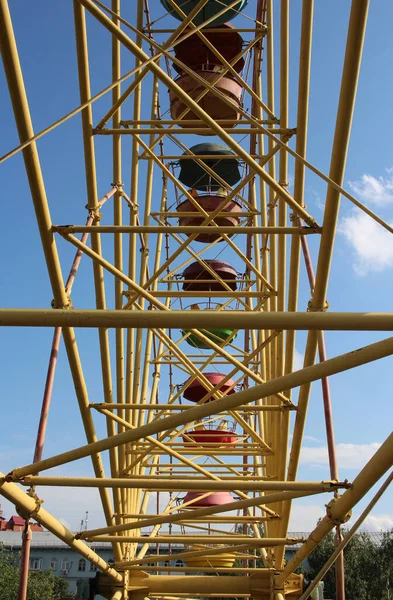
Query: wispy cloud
{"type": "Point", "coordinates": [298, 359]}
{"type": "Point", "coordinates": [374, 190]}
{"type": "Point", "coordinates": [372, 245]}
{"type": "Point", "coordinates": [304, 517]}
{"type": "Point", "coordinates": [349, 456]}
{"type": "Point", "coordinates": [378, 522]}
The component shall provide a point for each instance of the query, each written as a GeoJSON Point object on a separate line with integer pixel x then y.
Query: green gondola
{"type": "Point", "coordinates": [210, 9]}
{"type": "Point", "coordinates": [215, 335]}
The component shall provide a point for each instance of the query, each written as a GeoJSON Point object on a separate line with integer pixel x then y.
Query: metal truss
{"type": "Point", "coordinates": [150, 445]}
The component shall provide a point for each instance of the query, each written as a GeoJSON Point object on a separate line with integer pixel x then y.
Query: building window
{"type": "Point", "coordinates": [35, 564]}
{"type": "Point", "coordinates": [93, 567]}
{"type": "Point", "coordinates": [65, 566]}
{"type": "Point", "coordinates": [82, 565]}
{"type": "Point", "coordinates": [53, 564]}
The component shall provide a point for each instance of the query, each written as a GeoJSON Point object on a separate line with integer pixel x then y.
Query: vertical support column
{"type": "Point", "coordinates": [33, 169]}
{"type": "Point", "coordinates": [327, 405]}
{"type": "Point", "coordinates": [24, 561]}
{"type": "Point", "coordinates": [93, 204]}
{"type": "Point", "coordinates": [353, 55]}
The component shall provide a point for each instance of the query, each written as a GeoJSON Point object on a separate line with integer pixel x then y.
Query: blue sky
{"type": "Point", "coordinates": [362, 263]}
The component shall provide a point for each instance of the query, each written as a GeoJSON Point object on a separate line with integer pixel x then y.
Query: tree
{"type": "Point", "coordinates": [368, 567]}
{"type": "Point", "coordinates": [41, 584]}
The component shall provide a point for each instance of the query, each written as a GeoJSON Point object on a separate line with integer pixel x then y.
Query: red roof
{"type": "Point", "coordinates": [17, 520]}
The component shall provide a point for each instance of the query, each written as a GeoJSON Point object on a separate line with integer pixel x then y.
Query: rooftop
{"type": "Point", "coordinates": [46, 539]}
{"type": "Point", "coordinates": [43, 539]}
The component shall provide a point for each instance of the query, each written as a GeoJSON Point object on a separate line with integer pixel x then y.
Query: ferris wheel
{"type": "Point", "coordinates": [197, 235]}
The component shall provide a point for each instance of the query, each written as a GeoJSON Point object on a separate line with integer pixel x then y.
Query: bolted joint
{"type": "Point", "coordinates": [60, 306]}
{"type": "Point", "coordinates": [94, 213]}
{"type": "Point", "coordinates": [294, 218]}
{"type": "Point", "coordinates": [336, 520]}
{"type": "Point", "coordinates": [312, 308]}
{"type": "Point", "coordinates": [27, 515]}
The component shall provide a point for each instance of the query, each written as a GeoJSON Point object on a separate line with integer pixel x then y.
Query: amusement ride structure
{"type": "Point", "coordinates": [196, 299]}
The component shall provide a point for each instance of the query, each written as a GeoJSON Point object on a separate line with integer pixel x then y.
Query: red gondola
{"type": "Point", "coordinates": [199, 279]}
{"type": "Point", "coordinates": [214, 499]}
{"type": "Point", "coordinates": [209, 203]}
{"type": "Point", "coordinates": [196, 390]}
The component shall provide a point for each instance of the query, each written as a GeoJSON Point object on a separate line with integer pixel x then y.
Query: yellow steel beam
{"type": "Point", "coordinates": [29, 507]}
{"type": "Point", "coordinates": [176, 319]}
{"type": "Point", "coordinates": [338, 510]}
{"type": "Point", "coordinates": [211, 540]}
{"type": "Point", "coordinates": [329, 367]}
{"type": "Point", "coordinates": [38, 193]}
{"type": "Point", "coordinates": [128, 43]}
{"type": "Point", "coordinates": [194, 513]}
{"type": "Point", "coordinates": [174, 483]}
{"type": "Point", "coordinates": [186, 228]}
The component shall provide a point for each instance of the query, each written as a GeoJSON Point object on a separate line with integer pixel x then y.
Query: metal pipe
{"type": "Point", "coordinates": [207, 551]}
{"type": "Point", "coordinates": [241, 152]}
{"type": "Point", "coordinates": [185, 484]}
{"type": "Point", "coordinates": [24, 561]}
{"type": "Point", "coordinates": [109, 267]}
{"type": "Point", "coordinates": [93, 205]}
{"type": "Point", "coordinates": [339, 549]}
{"type": "Point", "coordinates": [212, 540]}
{"type": "Point", "coordinates": [30, 155]}
{"type": "Point", "coordinates": [189, 130]}
{"type": "Point", "coordinates": [352, 61]}
{"type": "Point", "coordinates": [196, 513]}
{"type": "Point", "coordinates": [30, 507]}
{"type": "Point", "coordinates": [327, 406]}
{"type": "Point", "coordinates": [38, 193]}
{"type": "Point", "coordinates": [177, 407]}
{"type": "Point", "coordinates": [64, 229]}
{"type": "Point", "coordinates": [301, 321]}
{"type": "Point", "coordinates": [338, 510]}
{"type": "Point", "coordinates": [329, 367]}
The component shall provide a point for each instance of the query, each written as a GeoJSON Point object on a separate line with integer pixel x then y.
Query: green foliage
{"type": "Point", "coordinates": [368, 567]}
{"type": "Point", "coordinates": [60, 588]}
{"type": "Point", "coordinates": [42, 585]}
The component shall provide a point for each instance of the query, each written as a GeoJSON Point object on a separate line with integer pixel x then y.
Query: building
{"type": "Point", "coordinates": [48, 552]}
{"type": "Point", "coordinates": [16, 523]}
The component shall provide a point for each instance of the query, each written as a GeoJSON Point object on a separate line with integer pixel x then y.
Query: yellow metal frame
{"type": "Point", "coordinates": [148, 309]}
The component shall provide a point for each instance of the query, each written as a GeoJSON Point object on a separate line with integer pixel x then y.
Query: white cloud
{"type": "Point", "coordinates": [304, 517]}
{"type": "Point", "coordinates": [316, 199]}
{"type": "Point", "coordinates": [311, 438]}
{"type": "Point", "coordinates": [375, 190]}
{"type": "Point", "coordinates": [349, 456]}
{"type": "Point", "coordinates": [298, 360]}
{"type": "Point", "coordinates": [378, 522]}
{"type": "Point", "coordinates": [372, 244]}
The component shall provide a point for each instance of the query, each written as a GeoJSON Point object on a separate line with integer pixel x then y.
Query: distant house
{"type": "Point", "coordinates": [48, 552]}
{"type": "Point", "coordinates": [16, 523]}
